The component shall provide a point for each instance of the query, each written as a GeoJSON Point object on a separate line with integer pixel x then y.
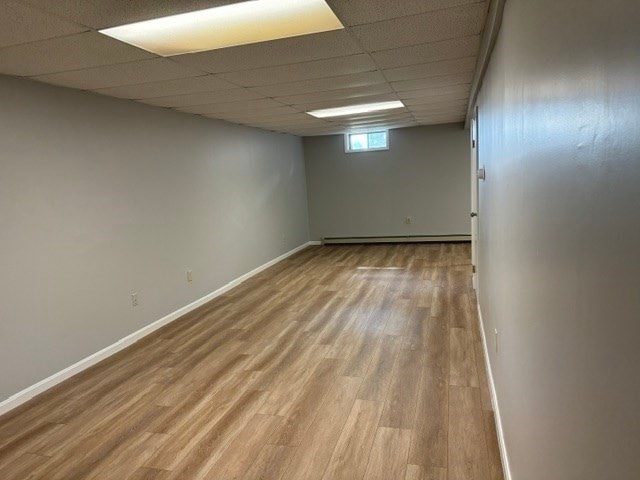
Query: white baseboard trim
{"type": "Point", "coordinates": [494, 401]}
{"type": "Point", "coordinates": [43, 385]}
{"type": "Point", "coordinates": [397, 239]}
{"type": "Point", "coordinates": [315, 242]}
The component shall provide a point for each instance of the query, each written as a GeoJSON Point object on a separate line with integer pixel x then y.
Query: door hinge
{"type": "Point", "coordinates": [473, 268]}
{"type": "Point", "coordinates": [473, 144]}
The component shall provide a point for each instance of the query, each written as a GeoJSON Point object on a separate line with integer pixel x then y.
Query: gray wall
{"type": "Point", "coordinates": [424, 175]}
{"type": "Point", "coordinates": [559, 258]}
{"type": "Point", "coordinates": [102, 197]}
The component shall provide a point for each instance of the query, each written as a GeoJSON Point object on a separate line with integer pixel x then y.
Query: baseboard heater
{"type": "Point", "coordinates": [398, 239]}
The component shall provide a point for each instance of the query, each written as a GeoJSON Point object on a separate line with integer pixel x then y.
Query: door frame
{"type": "Point", "coordinates": [474, 196]}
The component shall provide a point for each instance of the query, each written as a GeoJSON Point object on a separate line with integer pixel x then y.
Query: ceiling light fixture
{"type": "Point", "coordinates": [240, 23]}
{"type": "Point", "coordinates": [353, 109]}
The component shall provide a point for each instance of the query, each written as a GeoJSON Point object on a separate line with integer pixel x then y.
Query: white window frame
{"type": "Point", "coordinates": [347, 143]}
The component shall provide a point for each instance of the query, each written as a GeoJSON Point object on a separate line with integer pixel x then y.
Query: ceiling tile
{"type": "Point", "coordinates": [425, 28]}
{"type": "Point", "coordinates": [302, 123]}
{"type": "Point", "coordinates": [438, 119]}
{"type": "Point", "coordinates": [109, 13]}
{"type": "Point", "coordinates": [438, 105]}
{"type": "Point", "coordinates": [428, 103]}
{"type": "Point", "coordinates": [321, 84]}
{"type": "Point", "coordinates": [181, 86]}
{"type": "Point", "coordinates": [229, 107]}
{"type": "Point", "coordinates": [21, 23]}
{"type": "Point", "coordinates": [155, 69]}
{"type": "Point", "coordinates": [247, 113]}
{"type": "Point", "coordinates": [285, 128]}
{"type": "Point", "coordinates": [203, 98]}
{"type": "Point", "coordinates": [288, 130]}
{"type": "Point", "coordinates": [376, 115]}
{"type": "Point", "coordinates": [329, 67]}
{"type": "Point", "coordinates": [328, 127]}
{"type": "Point", "coordinates": [428, 52]}
{"type": "Point", "coordinates": [459, 110]}
{"type": "Point", "coordinates": [406, 117]}
{"type": "Point", "coordinates": [420, 107]}
{"type": "Point", "coordinates": [305, 48]}
{"type": "Point", "coordinates": [398, 115]}
{"type": "Point", "coordinates": [343, 93]}
{"type": "Point", "coordinates": [276, 118]}
{"type": "Point", "coordinates": [286, 119]}
{"type": "Point", "coordinates": [435, 92]}
{"type": "Point", "coordinates": [433, 69]}
{"type": "Point", "coordinates": [432, 106]}
{"type": "Point", "coordinates": [417, 86]}
{"type": "Point", "coordinates": [310, 132]}
{"type": "Point", "coordinates": [73, 52]}
{"type": "Point", "coordinates": [356, 12]}
{"type": "Point", "coordinates": [381, 125]}
{"type": "Point", "coordinates": [419, 114]}
{"type": "Point", "coordinates": [424, 84]}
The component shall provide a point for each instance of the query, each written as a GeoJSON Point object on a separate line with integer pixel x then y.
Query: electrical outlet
{"type": "Point", "coordinates": [495, 335]}
{"type": "Point", "coordinates": [134, 299]}
{"type": "Point", "coordinates": [408, 220]}
{"type": "Point", "coordinates": [189, 275]}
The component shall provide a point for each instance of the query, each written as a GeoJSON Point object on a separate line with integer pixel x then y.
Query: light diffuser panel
{"type": "Point", "coordinates": [355, 109]}
{"type": "Point", "coordinates": [240, 23]}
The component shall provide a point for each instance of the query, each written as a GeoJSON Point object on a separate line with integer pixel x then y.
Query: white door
{"type": "Point", "coordinates": [474, 197]}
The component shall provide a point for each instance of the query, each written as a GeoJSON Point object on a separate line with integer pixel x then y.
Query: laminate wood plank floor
{"type": "Point", "coordinates": [341, 362]}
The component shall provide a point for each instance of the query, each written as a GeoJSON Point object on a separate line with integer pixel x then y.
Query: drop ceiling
{"type": "Point", "coordinates": [422, 52]}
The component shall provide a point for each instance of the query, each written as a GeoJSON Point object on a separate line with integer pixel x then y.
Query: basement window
{"type": "Point", "coordinates": [366, 141]}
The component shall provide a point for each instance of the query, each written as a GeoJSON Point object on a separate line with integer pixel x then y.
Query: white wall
{"type": "Point", "coordinates": [102, 197]}
{"type": "Point", "coordinates": [559, 250]}
{"type": "Point", "coordinates": [424, 175]}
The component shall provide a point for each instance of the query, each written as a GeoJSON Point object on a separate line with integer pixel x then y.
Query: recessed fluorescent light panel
{"type": "Point", "coordinates": [353, 109]}
{"type": "Point", "coordinates": [240, 23]}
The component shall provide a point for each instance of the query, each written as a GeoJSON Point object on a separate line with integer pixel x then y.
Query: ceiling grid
{"type": "Point", "coordinates": [422, 52]}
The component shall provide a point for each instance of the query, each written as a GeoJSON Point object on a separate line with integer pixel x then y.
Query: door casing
{"type": "Point", "coordinates": [474, 196]}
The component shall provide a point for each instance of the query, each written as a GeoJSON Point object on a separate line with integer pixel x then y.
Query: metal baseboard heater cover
{"type": "Point", "coordinates": [398, 239]}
